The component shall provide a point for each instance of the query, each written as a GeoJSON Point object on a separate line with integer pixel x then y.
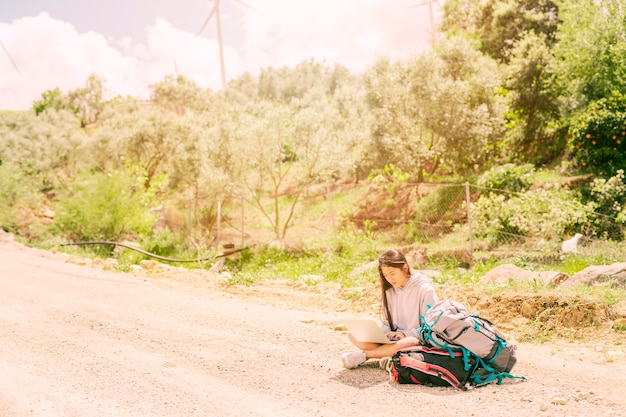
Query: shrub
{"type": "Point", "coordinates": [598, 136]}
{"type": "Point", "coordinates": [105, 206]}
{"type": "Point", "coordinates": [508, 177]}
{"type": "Point", "coordinates": [164, 242]}
{"type": "Point", "coordinates": [17, 191]}
{"type": "Point", "coordinates": [609, 199]}
{"type": "Point", "coordinates": [546, 214]}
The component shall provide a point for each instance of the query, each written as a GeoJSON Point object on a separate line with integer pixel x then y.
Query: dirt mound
{"type": "Point", "coordinates": [523, 316]}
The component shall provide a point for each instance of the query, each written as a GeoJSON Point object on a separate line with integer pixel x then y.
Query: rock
{"type": "Point", "coordinates": [416, 257]}
{"type": "Point", "coordinates": [110, 264]}
{"type": "Point", "coordinates": [527, 310]}
{"type": "Point", "coordinates": [613, 275]}
{"type": "Point", "coordinates": [47, 212]}
{"type": "Point", "coordinates": [150, 265]}
{"type": "Point", "coordinates": [78, 260]}
{"type": "Point", "coordinates": [502, 274]}
{"type": "Point", "coordinates": [98, 263]}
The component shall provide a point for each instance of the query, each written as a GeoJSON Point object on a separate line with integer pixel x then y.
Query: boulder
{"type": "Point", "coordinates": [508, 272]}
{"type": "Point", "coordinates": [613, 275]}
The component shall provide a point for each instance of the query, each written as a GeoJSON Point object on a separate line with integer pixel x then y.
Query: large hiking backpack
{"type": "Point", "coordinates": [448, 326]}
{"type": "Point", "coordinates": [429, 366]}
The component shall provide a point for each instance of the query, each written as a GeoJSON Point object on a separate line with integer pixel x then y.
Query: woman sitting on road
{"type": "Point", "coordinates": [406, 295]}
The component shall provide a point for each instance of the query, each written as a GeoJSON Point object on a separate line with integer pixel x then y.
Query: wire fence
{"type": "Point", "coordinates": [454, 218]}
{"type": "Point", "coordinates": [448, 218]}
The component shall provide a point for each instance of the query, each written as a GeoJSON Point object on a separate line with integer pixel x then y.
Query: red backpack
{"type": "Point", "coordinates": [431, 367]}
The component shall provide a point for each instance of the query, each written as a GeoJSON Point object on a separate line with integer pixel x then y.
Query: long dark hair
{"type": "Point", "coordinates": [395, 259]}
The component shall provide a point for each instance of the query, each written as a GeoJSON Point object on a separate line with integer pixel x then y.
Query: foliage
{"type": "Point", "coordinates": [106, 206]}
{"type": "Point", "coordinates": [520, 35]}
{"type": "Point", "coordinates": [310, 266]}
{"type": "Point", "coordinates": [499, 24]}
{"type": "Point", "coordinates": [535, 132]}
{"type": "Point", "coordinates": [48, 146]}
{"type": "Point", "coordinates": [544, 214]}
{"type": "Point", "coordinates": [162, 241]}
{"type": "Point", "coordinates": [437, 213]}
{"type": "Point", "coordinates": [391, 175]}
{"type": "Point", "coordinates": [508, 177]}
{"type": "Point", "coordinates": [609, 200]}
{"type": "Point", "coordinates": [50, 99]}
{"type": "Point", "coordinates": [88, 102]}
{"type": "Point", "coordinates": [459, 104]}
{"type": "Point", "coordinates": [178, 94]}
{"type": "Point", "coordinates": [438, 111]}
{"type": "Point", "coordinates": [591, 51]}
{"type": "Point", "coordinates": [598, 136]}
{"type": "Point", "coordinates": [18, 191]}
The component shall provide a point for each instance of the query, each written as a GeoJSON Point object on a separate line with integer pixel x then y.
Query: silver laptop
{"type": "Point", "coordinates": [365, 330]}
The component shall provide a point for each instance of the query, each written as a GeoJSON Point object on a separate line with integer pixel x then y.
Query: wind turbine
{"type": "Point", "coordinates": [10, 58]}
{"type": "Point", "coordinates": [433, 33]}
{"type": "Point", "coordinates": [216, 11]}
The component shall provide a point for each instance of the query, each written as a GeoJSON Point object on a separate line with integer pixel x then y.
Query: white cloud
{"type": "Point", "coordinates": [52, 53]}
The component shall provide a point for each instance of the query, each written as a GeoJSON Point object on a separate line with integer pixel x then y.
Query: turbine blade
{"type": "Point", "coordinates": [243, 3]}
{"type": "Point", "coordinates": [10, 58]}
{"type": "Point", "coordinates": [206, 22]}
{"type": "Point", "coordinates": [425, 2]}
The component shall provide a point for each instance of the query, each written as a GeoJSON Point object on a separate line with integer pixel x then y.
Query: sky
{"type": "Point", "coordinates": [132, 44]}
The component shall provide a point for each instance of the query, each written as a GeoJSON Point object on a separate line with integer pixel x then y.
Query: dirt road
{"type": "Point", "coordinates": [80, 341]}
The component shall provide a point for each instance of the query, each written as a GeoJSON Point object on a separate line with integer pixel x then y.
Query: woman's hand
{"type": "Point", "coordinates": [395, 335]}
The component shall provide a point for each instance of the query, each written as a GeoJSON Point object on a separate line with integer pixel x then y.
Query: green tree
{"type": "Point", "coordinates": [441, 110]}
{"type": "Point", "coordinates": [49, 145]}
{"type": "Point", "coordinates": [147, 136]}
{"type": "Point", "coordinates": [519, 34]}
{"type": "Point", "coordinates": [500, 24]}
{"type": "Point", "coordinates": [459, 100]}
{"type": "Point", "coordinates": [88, 102]}
{"type": "Point", "coordinates": [591, 51]}
{"type": "Point", "coordinates": [535, 131]}
{"type": "Point", "coordinates": [179, 95]}
{"type": "Point", "coordinates": [394, 125]}
{"type": "Point", "coordinates": [50, 99]}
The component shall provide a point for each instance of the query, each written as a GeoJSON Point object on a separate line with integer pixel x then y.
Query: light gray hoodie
{"type": "Point", "coordinates": [407, 304]}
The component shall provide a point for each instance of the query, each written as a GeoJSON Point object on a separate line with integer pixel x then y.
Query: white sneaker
{"type": "Point", "coordinates": [353, 359]}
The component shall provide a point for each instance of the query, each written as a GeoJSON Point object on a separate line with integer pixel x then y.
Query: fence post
{"type": "Point", "coordinates": [469, 217]}
{"type": "Point", "coordinates": [243, 223]}
{"type": "Point", "coordinates": [330, 207]}
{"type": "Point", "coordinates": [217, 232]}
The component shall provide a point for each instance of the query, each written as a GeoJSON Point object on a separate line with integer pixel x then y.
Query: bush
{"type": "Point", "coordinates": [609, 200]}
{"type": "Point", "coordinates": [508, 177]}
{"type": "Point", "coordinates": [18, 191]}
{"type": "Point", "coordinates": [105, 206]}
{"type": "Point", "coordinates": [164, 242]}
{"type": "Point", "coordinates": [544, 214]}
{"type": "Point", "coordinates": [598, 136]}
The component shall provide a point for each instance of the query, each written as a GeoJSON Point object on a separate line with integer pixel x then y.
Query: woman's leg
{"type": "Point", "coordinates": [363, 345]}
{"type": "Point", "coordinates": [376, 350]}
{"type": "Point", "coordinates": [389, 349]}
